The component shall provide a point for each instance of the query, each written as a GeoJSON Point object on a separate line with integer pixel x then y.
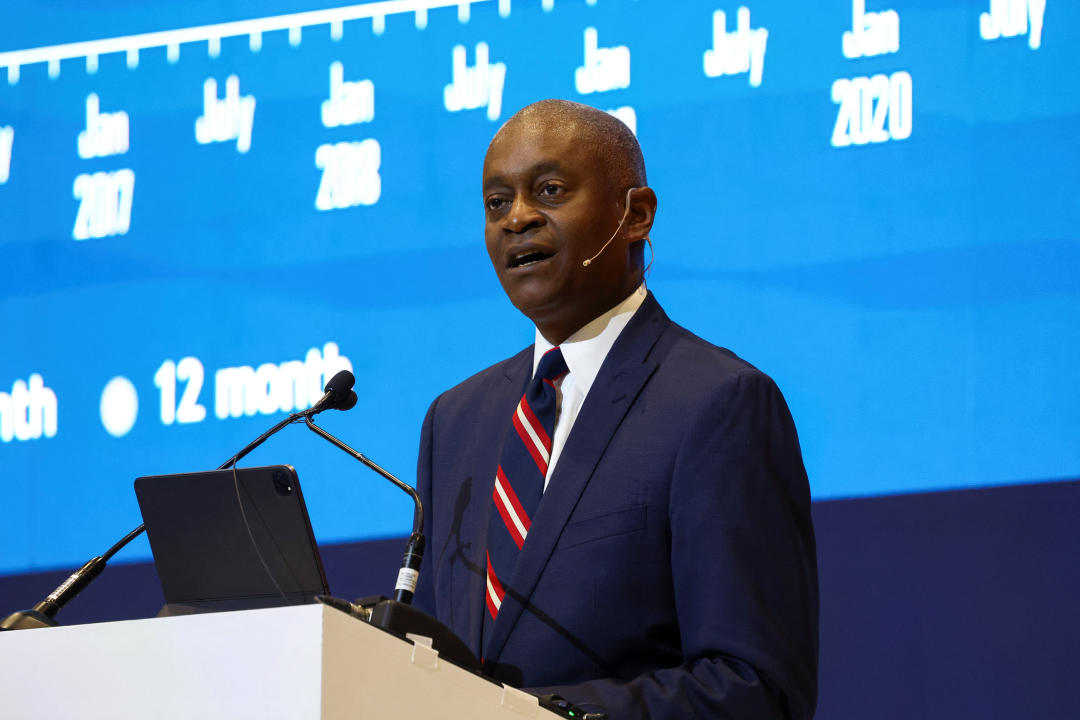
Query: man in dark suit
{"type": "Point", "coordinates": [669, 568]}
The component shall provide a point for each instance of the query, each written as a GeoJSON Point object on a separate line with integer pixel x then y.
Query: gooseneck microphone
{"type": "Point", "coordinates": [338, 395]}
{"type": "Point", "coordinates": [414, 548]}
{"type": "Point", "coordinates": [397, 615]}
{"type": "Point", "coordinates": [626, 213]}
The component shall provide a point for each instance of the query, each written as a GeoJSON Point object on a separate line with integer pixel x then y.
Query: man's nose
{"type": "Point", "coordinates": [523, 215]}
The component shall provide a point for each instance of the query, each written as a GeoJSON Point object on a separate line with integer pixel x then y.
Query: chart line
{"type": "Point", "coordinates": [213, 33]}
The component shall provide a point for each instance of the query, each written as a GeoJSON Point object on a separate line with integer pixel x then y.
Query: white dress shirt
{"type": "Point", "coordinates": [584, 353]}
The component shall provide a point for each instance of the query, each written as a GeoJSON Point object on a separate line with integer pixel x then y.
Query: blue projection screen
{"type": "Point", "coordinates": [206, 211]}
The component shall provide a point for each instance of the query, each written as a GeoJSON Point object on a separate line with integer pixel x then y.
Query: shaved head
{"type": "Point", "coordinates": [608, 139]}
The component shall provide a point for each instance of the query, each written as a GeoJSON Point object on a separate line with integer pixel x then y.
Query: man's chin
{"type": "Point", "coordinates": [538, 303]}
{"type": "Point", "coordinates": [534, 306]}
{"type": "Point", "coordinates": [531, 293]}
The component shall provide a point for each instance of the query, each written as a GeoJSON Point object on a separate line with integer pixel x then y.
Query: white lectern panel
{"type": "Point", "coordinates": [296, 662]}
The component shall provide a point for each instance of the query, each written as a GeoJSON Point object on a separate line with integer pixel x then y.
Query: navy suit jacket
{"type": "Point", "coordinates": [670, 570]}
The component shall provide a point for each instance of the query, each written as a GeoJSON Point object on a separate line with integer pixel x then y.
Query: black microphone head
{"type": "Point", "coordinates": [346, 402]}
{"type": "Point", "coordinates": [337, 394]}
{"type": "Point", "coordinates": [340, 385]}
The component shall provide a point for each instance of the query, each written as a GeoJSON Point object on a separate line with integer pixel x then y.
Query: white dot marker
{"type": "Point", "coordinates": [119, 406]}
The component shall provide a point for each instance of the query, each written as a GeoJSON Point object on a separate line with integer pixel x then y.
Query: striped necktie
{"type": "Point", "coordinates": [519, 480]}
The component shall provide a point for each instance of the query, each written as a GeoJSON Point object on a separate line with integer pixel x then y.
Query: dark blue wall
{"type": "Point", "coordinates": [950, 605]}
{"type": "Point", "coordinates": [958, 604]}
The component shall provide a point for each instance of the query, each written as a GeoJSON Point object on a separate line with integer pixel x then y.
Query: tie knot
{"type": "Point", "coordinates": [552, 365]}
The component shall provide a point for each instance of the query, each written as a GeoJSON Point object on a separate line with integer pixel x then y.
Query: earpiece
{"type": "Point", "coordinates": [626, 213]}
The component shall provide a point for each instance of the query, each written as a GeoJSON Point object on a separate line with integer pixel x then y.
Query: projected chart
{"type": "Point", "coordinates": [201, 222]}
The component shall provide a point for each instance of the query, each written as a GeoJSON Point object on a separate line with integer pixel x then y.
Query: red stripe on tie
{"type": "Point", "coordinates": [493, 580]}
{"type": "Point", "coordinates": [553, 380]}
{"type": "Point", "coordinates": [541, 434]}
{"type": "Point", "coordinates": [515, 508]}
{"type": "Point", "coordinates": [536, 424]}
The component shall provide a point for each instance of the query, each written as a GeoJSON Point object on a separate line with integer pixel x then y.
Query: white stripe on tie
{"type": "Point", "coordinates": [509, 507]}
{"type": "Point", "coordinates": [493, 595]}
{"type": "Point", "coordinates": [532, 434]}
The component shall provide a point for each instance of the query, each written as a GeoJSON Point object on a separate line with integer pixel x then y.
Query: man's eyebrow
{"type": "Point", "coordinates": [493, 181]}
{"type": "Point", "coordinates": [547, 167]}
{"type": "Point", "coordinates": [537, 169]}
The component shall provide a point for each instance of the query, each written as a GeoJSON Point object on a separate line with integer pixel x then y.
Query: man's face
{"type": "Point", "coordinates": [548, 207]}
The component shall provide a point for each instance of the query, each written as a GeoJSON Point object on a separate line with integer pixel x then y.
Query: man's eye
{"type": "Point", "coordinates": [550, 189]}
{"type": "Point", "coordinates": [494, 203]}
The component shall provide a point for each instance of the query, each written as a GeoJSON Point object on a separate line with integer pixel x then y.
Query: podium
{"type": "Point", "coordinates": [300, 662]}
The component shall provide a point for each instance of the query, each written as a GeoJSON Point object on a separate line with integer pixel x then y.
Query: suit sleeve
{"type": "Point", "coordinates": [744, 570]}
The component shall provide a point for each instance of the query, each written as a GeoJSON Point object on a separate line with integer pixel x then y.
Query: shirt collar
{"type": "Point", "coordinates": [585, 350]}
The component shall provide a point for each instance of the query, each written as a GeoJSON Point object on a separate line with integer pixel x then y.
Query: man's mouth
{"type": "Point", "coordinates": [528, 257]}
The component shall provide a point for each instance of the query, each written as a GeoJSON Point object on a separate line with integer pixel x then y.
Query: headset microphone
{"type": "Point", "coordinates": [626, 213]}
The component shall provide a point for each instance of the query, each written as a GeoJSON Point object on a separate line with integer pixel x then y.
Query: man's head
{"type": "Point", "coordinates": [557, 177]}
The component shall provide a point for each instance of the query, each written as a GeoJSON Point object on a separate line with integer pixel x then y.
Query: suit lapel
{"type": "Point", "coordinates": [622, 376]}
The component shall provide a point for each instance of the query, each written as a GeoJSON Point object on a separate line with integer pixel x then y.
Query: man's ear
{"type": "Point", "coordinates": [642, 212]}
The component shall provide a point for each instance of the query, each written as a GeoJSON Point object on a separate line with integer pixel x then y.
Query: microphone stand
{"type": "Point", "coordinates": [414, 549]}
{"type": "Point", "coordinates": [398, 616]}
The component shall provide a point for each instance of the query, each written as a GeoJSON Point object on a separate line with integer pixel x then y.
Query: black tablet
{"type": "Point", "coordinates": [231, 541]}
